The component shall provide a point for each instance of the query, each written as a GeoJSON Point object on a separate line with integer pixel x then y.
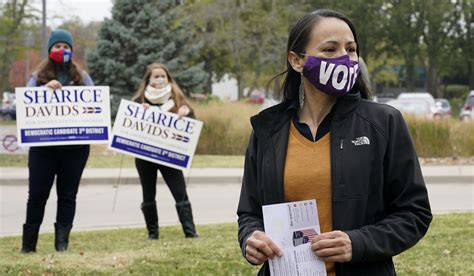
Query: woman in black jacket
{"type": "Point", "coordinates": [327, 141]}
{"type": "Point", "coordinates": [65, 163]}
{"type": "Point", "coordinates": [159, 89]}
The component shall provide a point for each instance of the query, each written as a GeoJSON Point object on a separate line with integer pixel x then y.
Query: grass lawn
{"type": "Point", "coordinates": [446, 250]}
{"type": "Point", "coordinates": [115, 160]}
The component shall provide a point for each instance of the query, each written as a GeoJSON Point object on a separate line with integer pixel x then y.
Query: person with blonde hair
{"type": "Point", "coordinates": [159, 89]}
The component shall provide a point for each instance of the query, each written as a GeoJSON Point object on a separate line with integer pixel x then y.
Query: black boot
{"type": "Point", "coordinates": [61, 236]}
{"type": "Point", "coordinates": [29, 238]}
{"type": "Point", "coordinates": [151, 219]}
{"type": "Point", "coordinates": [185, 215]}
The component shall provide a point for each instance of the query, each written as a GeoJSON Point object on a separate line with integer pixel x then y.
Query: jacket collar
{"type": "Point", "coordinates": [271, 120]}
{"type": "Point", "coordinates": [346, 105]}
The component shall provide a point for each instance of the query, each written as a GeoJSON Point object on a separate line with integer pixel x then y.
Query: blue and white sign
{"type": "Point", "coordinates": [154, 135]}
{"type": "Point", "coordinates": [72, 115]}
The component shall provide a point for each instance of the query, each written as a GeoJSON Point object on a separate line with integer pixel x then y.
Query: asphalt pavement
{"type": "Point", "coordinates": [113, 204]}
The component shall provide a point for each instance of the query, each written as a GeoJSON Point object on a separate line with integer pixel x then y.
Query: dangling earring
{"type": "Point", "coordinates": [301, 93]}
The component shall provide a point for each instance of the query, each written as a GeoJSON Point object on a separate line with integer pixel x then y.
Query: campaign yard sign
{"type": "Point", "coordinates": [155, 135]}
{"type": "Point", "coordinates": [72, 115]}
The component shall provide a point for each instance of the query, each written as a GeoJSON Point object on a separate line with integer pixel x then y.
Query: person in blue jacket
{"type": "Point", "coordinates": [63, 163]}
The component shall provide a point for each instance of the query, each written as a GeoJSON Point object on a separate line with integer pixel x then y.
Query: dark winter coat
{"type": "Point", "coordinates": [379, 196]}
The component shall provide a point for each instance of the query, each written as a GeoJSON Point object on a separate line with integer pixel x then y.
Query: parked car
{"type": "Point", "coordinates": [443, 107]}
{"type": "Point", "coordinates": [378, 99]}
{"type": "Point", "coordinates": [256, 98]}
{"type": "Point", "coordinates": [416, 96]}
{"type": "Point", "coordinates": [422, 96]}
{"type": "Point", "coordinates": [417, 107]}
{"type": "Point", "coordinates": [383, 97]}
{"type": "Point", "coordinates": [467, 111]}
{"type": "Point", "coordinates": [8, 106]}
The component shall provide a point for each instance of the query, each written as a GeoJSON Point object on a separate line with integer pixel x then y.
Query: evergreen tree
{"type": "Point", "coordinates": [142, 32]}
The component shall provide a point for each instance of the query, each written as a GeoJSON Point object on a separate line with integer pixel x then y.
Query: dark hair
{"type": "Point", "coordinates": [47, 72]}
{"type": "Point", "coordinates": [298, 39]}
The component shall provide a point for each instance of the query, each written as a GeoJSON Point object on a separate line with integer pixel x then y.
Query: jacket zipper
{"type": "Point", "coordinates": [341, 157]}
{"type": "Point", "coordinates": [336, 156]}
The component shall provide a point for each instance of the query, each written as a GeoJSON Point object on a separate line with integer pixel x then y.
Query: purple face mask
{"type": "Point", "coordinates": [333, 76]}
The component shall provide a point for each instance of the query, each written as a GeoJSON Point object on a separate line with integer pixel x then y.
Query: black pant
{"type": "Point", "coordinates": [148, 174]}
{"type": "Point", "coordinates": [66, 163]}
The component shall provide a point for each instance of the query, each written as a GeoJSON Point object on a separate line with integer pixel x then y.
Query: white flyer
{"type": "Point", "coordinates": [291, 226]}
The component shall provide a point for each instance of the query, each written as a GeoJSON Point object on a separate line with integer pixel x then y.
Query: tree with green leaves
{"type": "Point", "coordinates": [244, 39]}
{"type": "Point", "coordinates": [13, 14]}
{"type": "Point", "coordinates": [402, 28]}
{"type": "Point", "coordinates": [439, 25]}
{"type": "Point", "coordinates": [267, 24]}
{"type": "Point", "coordinates": [247, 39]}
{"type": "Point", "coordinates": [462, 56]}
{"type": "Point", "coordinates": [205, 21]}
{"type": "Point", "coordinates": [143, 32]}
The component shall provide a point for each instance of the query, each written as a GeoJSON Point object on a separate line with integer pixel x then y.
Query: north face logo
{"type": "Point", "coordinates": [359, 141]}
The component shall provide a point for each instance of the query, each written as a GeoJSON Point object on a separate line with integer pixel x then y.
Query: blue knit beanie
{"type": "Point", "coordinates": [60, 35]}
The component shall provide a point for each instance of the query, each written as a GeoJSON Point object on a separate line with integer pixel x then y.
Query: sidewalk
{"type": "Point", "coordinates": [463, 174]}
